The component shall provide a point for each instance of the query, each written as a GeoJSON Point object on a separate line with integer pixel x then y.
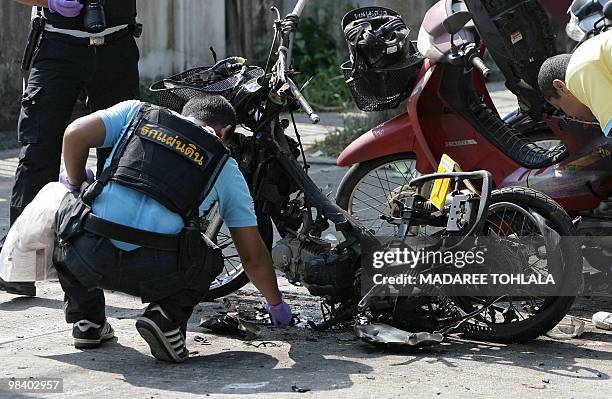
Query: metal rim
{"type": "Point", "coordinates": [217, 232]}
{"type": "Point", "coordinates": [232, 266]}
{"type": "Point", "coordinates": [382, 188]}
{"type": "Point", "coordinates": [502, 222]}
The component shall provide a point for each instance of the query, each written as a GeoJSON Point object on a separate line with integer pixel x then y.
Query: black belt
{"type": "Point", "coordinates": [92, 41]}
{"type": "Point", "coordinates": [130, 235]}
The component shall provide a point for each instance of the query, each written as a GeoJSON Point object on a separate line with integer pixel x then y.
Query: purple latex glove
{"type": "Point", "coordinates": [280, 314]}
{"type": "Point", "coordinates": [66, 8]}
{"type": "Point", "coordinates": [63, 178]}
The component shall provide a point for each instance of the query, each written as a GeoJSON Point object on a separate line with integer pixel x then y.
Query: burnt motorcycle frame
{"type": "Point", "coordinates": [285, 194]}
{"type": "Point", "coordinates": [268, 159]}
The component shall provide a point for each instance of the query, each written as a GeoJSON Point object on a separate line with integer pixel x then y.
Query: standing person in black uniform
{"type": "Point", "coordinates": [82, 47]}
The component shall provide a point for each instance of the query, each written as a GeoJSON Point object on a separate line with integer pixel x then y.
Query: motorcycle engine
{"type": "Point", "coordinates": [314, 265]}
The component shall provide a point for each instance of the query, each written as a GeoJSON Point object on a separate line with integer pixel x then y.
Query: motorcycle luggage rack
{"type": "Point", "coordinates": [458, 178]}
{"type": "Point", "coordinates": [174, 91]}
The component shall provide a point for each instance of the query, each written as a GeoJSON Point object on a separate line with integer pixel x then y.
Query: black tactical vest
{"type": "Point", "coordinates": [118, 12]}
{"type": "Point", "coordinates": [169, 159]}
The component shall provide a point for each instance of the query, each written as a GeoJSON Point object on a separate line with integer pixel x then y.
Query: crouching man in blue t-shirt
{"type": "Point", "coordinates": [135, 230]}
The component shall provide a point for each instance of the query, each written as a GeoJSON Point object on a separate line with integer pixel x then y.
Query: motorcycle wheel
{"type": "Point", "coordinates": [550, 310]}
{"type": "Point", "coordinates": [233, 276]}
{"type": "Point", "coordinates": [368, 189]}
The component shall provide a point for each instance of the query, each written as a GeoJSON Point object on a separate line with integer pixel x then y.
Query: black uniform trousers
{"type": "Point", "coordinates": [93, 263]}
{"type": "Point", "coordinates": [60, 71]}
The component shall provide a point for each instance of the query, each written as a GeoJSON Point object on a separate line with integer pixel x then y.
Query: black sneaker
{"type": "Point", "coordinates": [23, 289]}
{"type": "Point", "coordinates": [89, 335]}
{"type": "Point", "coordinates": [165, 337]}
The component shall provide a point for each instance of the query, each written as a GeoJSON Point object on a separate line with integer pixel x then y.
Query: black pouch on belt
{"type": "Point", "coordinates": [199, 259]}
{"type": "Point", "coordinates": [69, 218]}
{"type": "Point", "coordinates": [38, 26]}
{"type": "Point", "coordinates": [199, 262]}
{"type": "Point", "coordinates": [68, 223]}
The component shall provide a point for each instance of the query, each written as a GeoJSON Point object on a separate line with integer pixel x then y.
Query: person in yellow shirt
{"type": "Point", "coordinates": [580, 84]}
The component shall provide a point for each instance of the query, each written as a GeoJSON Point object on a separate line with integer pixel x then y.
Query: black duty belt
{"type": "Point", "coordinates": [120, 232]}
{"type": "Point", "coordinates": [92, 41]}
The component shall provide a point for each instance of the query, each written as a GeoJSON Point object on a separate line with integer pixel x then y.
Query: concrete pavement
{"type": "Point", "coordinates": [35, 342]}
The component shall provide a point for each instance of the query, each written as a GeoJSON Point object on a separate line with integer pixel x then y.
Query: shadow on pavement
{"type": "Point", "coordinates": [229, 372]}
{"type": "Point", "coordinates": [558, 358]}
{"type": "Point", "coordinates": [316, 365]}
{"type": "Point", "coordinates": [19, 304]}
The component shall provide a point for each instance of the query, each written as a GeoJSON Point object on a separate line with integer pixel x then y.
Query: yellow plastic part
{"type": "Point", "coordinates": [441, 186]}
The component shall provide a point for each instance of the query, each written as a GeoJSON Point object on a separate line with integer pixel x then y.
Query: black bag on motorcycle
{"type": "Point", "coordinates": [384, 63]}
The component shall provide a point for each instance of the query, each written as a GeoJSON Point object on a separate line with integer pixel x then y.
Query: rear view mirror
{"type": "Point", "coordinates": [608, 10]}
{"type": "Point", "coordinates": [455, 22]}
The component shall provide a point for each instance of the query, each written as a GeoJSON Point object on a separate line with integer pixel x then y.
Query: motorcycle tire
{"type": "Point", "coordinates": [554, 308]}
{"type": "Point", "coordinates": [215, 223]}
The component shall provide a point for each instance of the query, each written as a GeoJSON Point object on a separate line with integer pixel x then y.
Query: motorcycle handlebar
{"type": "Point", "coordinates": [314, 118]}
{"type": "Point", "coordinates": [479, 64]}
{"type": "Point", "coordinates": [284, 60]}
{"type": "Point", "coordinates": [299, 7]}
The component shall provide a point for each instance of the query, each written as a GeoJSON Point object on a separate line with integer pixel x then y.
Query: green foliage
{"type": "Point", "coordinates": [315, 53]}
{"type": "Point", "coordinates": [355, 125]}
{"type": "Point", "coordinates": [328, 91]}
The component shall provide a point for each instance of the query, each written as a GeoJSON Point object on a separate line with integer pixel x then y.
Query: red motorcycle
{"type": "Point", "coordinates": [449, 111]}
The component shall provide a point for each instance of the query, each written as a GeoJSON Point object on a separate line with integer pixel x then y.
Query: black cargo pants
{"type": "Point", "coordinates": [93, 263]}
{"type": "Point", "coordinates": [60, 71]}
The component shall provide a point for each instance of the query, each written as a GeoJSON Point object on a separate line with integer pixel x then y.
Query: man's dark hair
{"type": "Point", "coordinates": [552, 69]}
{"type": "Point", "coordinates": [214, 110]}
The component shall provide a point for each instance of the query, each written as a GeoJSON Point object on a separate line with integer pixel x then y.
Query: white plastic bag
{"type": "Point", "coordinates": [28, 248]}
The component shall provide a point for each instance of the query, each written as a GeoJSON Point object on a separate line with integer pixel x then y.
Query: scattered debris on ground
{"type": "Point", "coordinates": [569, 327]}
{"type": "Point", "coordinates": [297, 389]}
{"type": "Point", "coordinates": [262, 344]}
{"type": "Point", "coordinates": [384, 335]}
{"type": "Point", "coordinates": [201, 340]}
{"type": "Point", "coordinates": [232, 324]}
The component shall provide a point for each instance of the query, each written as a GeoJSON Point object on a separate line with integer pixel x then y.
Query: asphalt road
{"type": "Point", "coordinates": [36, 342]}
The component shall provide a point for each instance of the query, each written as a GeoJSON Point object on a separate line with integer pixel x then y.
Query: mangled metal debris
{"type": "Point", "coordinates": [569, 327]}
{"type": "Point", "coordinates": [384, 335]}
{"type": "Point", "coordinates": [299, 389]}
{"type": "Point", "coordinates": [232, 324]}
{"type": "Point", "coordinates": [201, 340]}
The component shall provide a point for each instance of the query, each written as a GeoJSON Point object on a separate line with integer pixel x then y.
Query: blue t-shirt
{"type": "Point", "coordinates": [123, 205]}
